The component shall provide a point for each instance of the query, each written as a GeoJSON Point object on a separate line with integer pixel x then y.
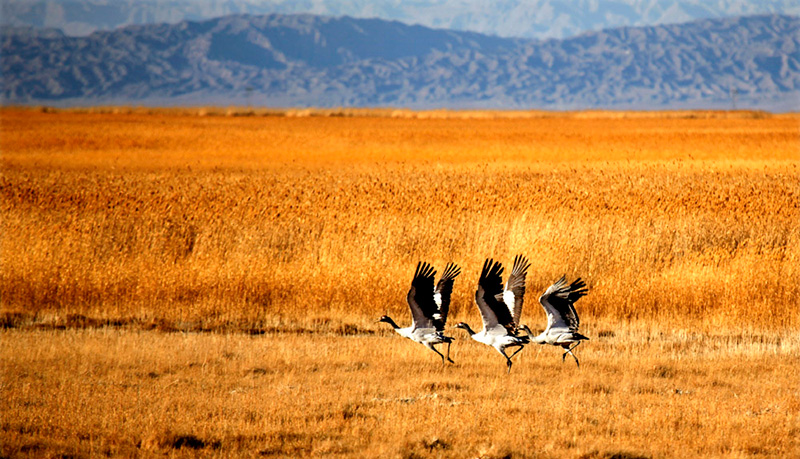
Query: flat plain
{"type": "Point", "coordinates": [207, 282]}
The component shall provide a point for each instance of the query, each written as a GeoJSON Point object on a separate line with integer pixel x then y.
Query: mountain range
{"type": "Point", "coordinates": [505, 18]}
{"type": "Point", "coordinates": [310, 60]}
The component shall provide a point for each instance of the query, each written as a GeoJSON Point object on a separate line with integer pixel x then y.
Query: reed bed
{"type": "Point", "coordinates": [206, 282]}
{"type": "Point", "coordinates": [213, 221]}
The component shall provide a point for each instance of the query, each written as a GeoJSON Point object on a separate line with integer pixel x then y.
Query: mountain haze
{"type": "Point", "coordinates": [307, 60]}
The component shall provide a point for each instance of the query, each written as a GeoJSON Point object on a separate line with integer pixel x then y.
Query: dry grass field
{"type": "Point", "coordinates": [192, 282]}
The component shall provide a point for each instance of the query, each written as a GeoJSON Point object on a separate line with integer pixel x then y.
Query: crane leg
{"type": "Point", "coordinates": [576, 359]}
{"type": "Point", "coordinates": [430, 346]}
{"type": "Point", "coordinates": [448, 353]}
{"type": "Point", "coordinates": [521, 347]}
{"type": "Point", "coordinates": [440, 354]}
{"type": "Point", "coordinates": [508, 360]}
{"type": "Point", "coordinates": [569, 351]}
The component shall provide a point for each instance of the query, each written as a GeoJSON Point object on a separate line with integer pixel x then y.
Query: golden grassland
{"type": "Point", "coordinates": [271, 242]}
{"type": "Point", "coordinates": [637, 394]}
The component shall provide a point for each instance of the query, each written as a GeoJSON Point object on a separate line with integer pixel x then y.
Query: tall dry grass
{"type": "Point", "coordinates": [297, 229]}
{"type": "Point", "coordinates": [211, 221]}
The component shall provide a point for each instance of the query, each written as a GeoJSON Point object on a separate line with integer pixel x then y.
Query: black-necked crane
{"type": "Point", "coordinates": [500, 308]}
{"type": "Point", "coordinates": [429, 307]}
{"type": "Point", "coordinates": [562, 320]}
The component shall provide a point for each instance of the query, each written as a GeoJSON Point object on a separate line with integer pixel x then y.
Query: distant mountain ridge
{"type": "Point", "coordinates": [308, 60]}
{"type": "Point", "coordinates": [506, 18]}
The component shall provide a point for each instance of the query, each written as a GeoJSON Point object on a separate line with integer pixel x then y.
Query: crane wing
{"type": "Point", "coordinates": [441, 296]}
{"type": "Point", "coordinates": [558, 303]}
{"type": "Point", "coordinates": [420, 296]}
{"type": "Point", "coordinates": [514, 293]}
{"type": "Point", "coordinates": [493, 311]}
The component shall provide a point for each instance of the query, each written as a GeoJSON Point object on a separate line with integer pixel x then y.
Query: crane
{"type": "Point", "coordinates": [562, 320]}
{"type": "Point", "coordinates": [429, 307]}
{"type": "Point", "coordinates": [500, 307]}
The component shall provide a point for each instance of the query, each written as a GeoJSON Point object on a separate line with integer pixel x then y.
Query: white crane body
{"type": "Point", "coordinates": [500, 307]}
{"type": "Point", "coordinates": [429, 307]}
{"type": "Point", "coordinates": [562, 320]}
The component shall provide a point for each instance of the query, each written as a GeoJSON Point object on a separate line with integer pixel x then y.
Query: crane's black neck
{"type": "Point", "coordinates": [389, 320]}
{"type": "Point", "coordinates": [468, 329]}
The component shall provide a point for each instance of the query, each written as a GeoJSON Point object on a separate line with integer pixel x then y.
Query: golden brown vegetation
{"type": "Point", "coordinates": [221, 219]}
{"type": "Point", "coordinates": [307, 226]}
{"type": "Point", "coordinates": [637, 394]}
